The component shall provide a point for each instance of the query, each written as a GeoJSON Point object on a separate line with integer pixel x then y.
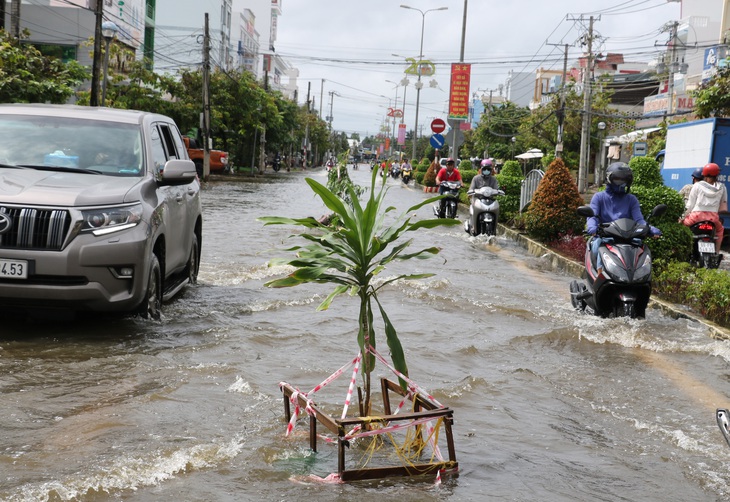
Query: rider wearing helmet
{"type": "Point", "coordinates": [485, 177]}
{"type": "Point", "coordinates": [614, 203]}
{"type": "Point", "coordinates": [706, 198]}
{"type": "Point", "coordinates": [684, 192]}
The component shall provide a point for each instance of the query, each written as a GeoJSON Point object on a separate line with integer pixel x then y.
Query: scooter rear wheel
{"type": "Point", "coordinates": [576, 288]}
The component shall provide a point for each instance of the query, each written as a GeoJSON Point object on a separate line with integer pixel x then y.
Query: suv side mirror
{"type": "Point", "coordinates": [178, 172]}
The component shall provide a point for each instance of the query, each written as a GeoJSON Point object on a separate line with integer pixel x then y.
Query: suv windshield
{"type": "Point", "coordinates": [110, 148]}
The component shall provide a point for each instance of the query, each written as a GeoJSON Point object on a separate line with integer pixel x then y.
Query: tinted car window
{"type": "Point", "coordinates": [61, 142]}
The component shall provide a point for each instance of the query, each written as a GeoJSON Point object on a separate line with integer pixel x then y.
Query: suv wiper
{"type": "Point", "coordinates": [61, 169]}
{"type": "Point", "coordinates": [11, 166]}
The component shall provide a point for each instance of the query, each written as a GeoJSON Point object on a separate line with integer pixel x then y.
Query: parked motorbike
{"type": "Point", "coordinates": [623, 288]}
{"type": "Point", "coordinates": [406, 174]}
{"type": "Point", "coordinates": [703, 245]}
{"type": "Point", "coordinates": [483, 211]}
{"type": "Point", "coordinates": [446, 207]}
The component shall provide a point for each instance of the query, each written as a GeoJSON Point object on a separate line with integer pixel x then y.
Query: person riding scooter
{"type": "Point", "coordinates": [486, 179]}
{"type": "Point", "coordinates": [612, 204]}
{"type": "Point", "coordinates": [705, 200]}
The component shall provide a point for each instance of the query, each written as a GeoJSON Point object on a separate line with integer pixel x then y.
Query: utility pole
{"type": "Point", "coordinates": [585, 135]}
{"type": "Point", "coordinates": [96, 63]}
{"type": "Point", "coordinates": [15, 19]}
{"type": "Point", "coordinates": [206, 101]}
{"type": "Point", "coordinates": [561, 110]}
{"type": "Point", "coordinates": [671, 68]}
{"type": "Point", "coordinates": [306, 131]}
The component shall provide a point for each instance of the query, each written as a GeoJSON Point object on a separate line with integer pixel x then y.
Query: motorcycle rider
{"type": "Point", "coordinates": [448, 173]}
{"type": "Point", "coordinates": [486, 179]}
{"type": "Point", "coordinates": [614, 203]}
{"type": "Point", "coordinates": [706, 199]}
{"type": "Point", "coordinates": [684, 191]}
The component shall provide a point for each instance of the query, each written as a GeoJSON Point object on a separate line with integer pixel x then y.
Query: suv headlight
{"type": "Point", "coordinates": [107, 220]}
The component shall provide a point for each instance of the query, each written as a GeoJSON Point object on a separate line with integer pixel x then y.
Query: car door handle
{"type": "Point", "coordinates": [192, 191]}
{"type": "Point", "coordinates": [179, 198]}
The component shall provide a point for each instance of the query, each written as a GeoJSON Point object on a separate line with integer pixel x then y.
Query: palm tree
{"type": "Point", "coordinates": [351, 254]}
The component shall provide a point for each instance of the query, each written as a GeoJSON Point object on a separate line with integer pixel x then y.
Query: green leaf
{"type": "Point", "coordinates": [396, 350]}
{"type": "Point", "coordinates": [337, 291]}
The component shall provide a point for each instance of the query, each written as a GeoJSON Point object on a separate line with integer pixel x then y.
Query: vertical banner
{"type": "Point", "coordinates": [401, 134]}
{"type": "Point", "coordinates": [459, 91]}
{"type": "Point", "coordinates": [387, 143]}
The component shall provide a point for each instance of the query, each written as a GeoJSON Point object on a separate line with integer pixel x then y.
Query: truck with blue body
{"type": "Point", "coordinates": [693, 144]}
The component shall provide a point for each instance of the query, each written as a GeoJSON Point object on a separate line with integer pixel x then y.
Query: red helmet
{"type": "Point", "coordinates": [711, 169]}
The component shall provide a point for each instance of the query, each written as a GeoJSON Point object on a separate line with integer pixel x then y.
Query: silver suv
{"type": "Point", "coordinates": [99, 210]}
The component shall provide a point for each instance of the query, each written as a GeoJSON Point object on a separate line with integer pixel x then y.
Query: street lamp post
{"type": "Point", "coordinates": [108, 31]}
{"type": "Point", "coordinates": [395, 108]}
{"type": "Point", "coordinates": [418, 83]}
{"type": "Point", "coordinates": [513, 147]}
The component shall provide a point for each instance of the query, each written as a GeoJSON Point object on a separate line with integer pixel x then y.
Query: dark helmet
{"type": "Point", "coordinates": [697, 173]}
{"type": "Point", "coordinates": [449, 161]}
{"type": "Point", "coordinates": [620, 175]}
{"type": "Point", "coordinates": [711, 169]}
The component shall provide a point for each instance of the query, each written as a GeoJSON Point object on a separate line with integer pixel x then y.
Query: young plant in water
{"type": "Point", "coordinates": [350, 254]}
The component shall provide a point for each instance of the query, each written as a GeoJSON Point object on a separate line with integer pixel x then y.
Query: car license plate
{"type": "Point", "coordinates": [13, 269]}
{"type": "Point", "coordinates": [706, 247]}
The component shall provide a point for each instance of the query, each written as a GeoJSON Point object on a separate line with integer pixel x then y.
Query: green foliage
{"type": "Point", "coordinates": [552, 212]}
{"type": "Point", "coordinates": [423, 166]}
{"type": "Point", "coordinates": [674, 244]}
{"type": "Point", "coordinates": [712, 98]}
{"type": "Point", "coordinates": [351, 254]}
{"type": "Point", "coordinates": [511, 168]}
{"type": "Point", "coordinates": [467, 175]}
{"type": "Point", "coordinates": [705, 291]}
{"type": "Point", "coordinates": [652, 197]}
{"type": "Point", "coordinates": [27, 76]}
{"type": "Point", "coordinates": [465, 165]}
{"type": "Point", "coordinates": [340, 184]}
{"type": "Point", "coordinates": [646, 172]}
{"type": "Point", "coordinates": [418, 176]}
{"type": "Point", "coordinates": [510, 181]}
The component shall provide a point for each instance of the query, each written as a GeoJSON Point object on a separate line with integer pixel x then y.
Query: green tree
{"type": "Point", "coordinates": [712, 98]}
{"type": "Point", "coordinates": [350, 256]}
{"type": "Point", "coordinates": [27, 76]}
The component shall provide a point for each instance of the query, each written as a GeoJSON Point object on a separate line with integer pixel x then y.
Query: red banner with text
{"type": "Point", "coordinates": [459, 91]}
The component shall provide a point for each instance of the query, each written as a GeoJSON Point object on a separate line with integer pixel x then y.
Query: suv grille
{"type": "Point", "coordinates": [35, 228]}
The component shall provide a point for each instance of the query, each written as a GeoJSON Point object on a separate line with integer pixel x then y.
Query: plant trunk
{"type": "Point", "coordinates": [366, 369]}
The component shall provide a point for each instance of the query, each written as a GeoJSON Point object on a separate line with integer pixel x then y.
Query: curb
{"type": "Point", "coordinates": [570, 267]}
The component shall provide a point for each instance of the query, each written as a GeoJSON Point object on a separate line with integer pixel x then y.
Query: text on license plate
{"type": "Point", "coordinates": [13, 269]}
{"type": "Point", "coordinates": [706, 247]}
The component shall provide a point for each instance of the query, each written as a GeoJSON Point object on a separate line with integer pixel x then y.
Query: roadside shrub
{"type": "Point", "coordinates": [465, 165]}
{"type": "Point", "coordinates": [704, 291]}
{"type": "Point", "coordinates": [418, 176]}
{"type": "Point", "coordinates": [511, 168]}
{"type": "Point", "coordinates": [651, 197]}
{"type": "Point", "coordinates": [429, 179]}
{"type": "Point", "coordinates": [646, 172]}
{"type": "Point", "coordinates": [467, 176]}
{"type": "Point", "coordinates": [572, 246]}
{"type": "Point", "coordinates": [423, 166]}
{"type": "Point", "coordinates": [553, 208]}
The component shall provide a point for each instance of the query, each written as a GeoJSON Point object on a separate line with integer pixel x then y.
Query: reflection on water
{"type": "Point", "coordinates": [549, 404]}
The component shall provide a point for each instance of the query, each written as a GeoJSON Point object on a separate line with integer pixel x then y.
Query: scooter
{"type": "Point", "coordinates": [395, 171]}
{"type": "Point", "coordinates": [483, 212]}
{"type": "Point", "coordinates": [703, 245]}
{"type": "Point", "coordinates": [406, 174]}
{"type": "Point", "coordinates": [623, 288]}
{"type": "Point", "coordinates": [446, 208]}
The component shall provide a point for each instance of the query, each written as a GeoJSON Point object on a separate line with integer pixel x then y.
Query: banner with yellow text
{"type": "Point", "coordinates": [459, 91]}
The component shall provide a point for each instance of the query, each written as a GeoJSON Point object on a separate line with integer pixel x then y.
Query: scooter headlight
{"type": "Point", "coordinates": [614, 267]}
{"type": "Point", "coordinates": [643, 272]}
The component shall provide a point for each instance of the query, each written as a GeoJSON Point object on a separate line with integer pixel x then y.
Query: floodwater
{"type": "Point", "coordinates": [549, 404]}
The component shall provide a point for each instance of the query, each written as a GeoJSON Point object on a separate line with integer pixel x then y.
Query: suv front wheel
{"type": "Point", "coordinates": [151, 306]}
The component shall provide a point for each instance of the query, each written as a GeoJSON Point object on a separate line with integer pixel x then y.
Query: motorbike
{"type": "Point", "coordinates": [276, 165]}
{"type": "Point", "coordinates": [483, 212]}
{"type": "Point", "coordinates": [446, 207]}
{"type": "Point", "coordinates": [703, 245]}
{"type": "Point", "coordinates": [407, 174]}
{"type": "Point", "coordinates": [395, 171]}
{"type": "Point", "coordinates": [623, 288]}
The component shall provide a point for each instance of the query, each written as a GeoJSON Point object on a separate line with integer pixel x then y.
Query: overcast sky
{"type": "Point", "coordinates": [350, 45]}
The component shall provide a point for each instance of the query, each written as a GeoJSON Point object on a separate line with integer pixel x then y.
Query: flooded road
{"type": "Point", "coordinates": [549, 404]}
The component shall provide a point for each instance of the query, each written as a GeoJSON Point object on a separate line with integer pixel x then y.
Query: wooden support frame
{"type": "Point", "coordinates": [424, 408]}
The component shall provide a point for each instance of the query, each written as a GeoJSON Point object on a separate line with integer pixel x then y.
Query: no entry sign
{"type": "Point", "coordinates": [438, 126]}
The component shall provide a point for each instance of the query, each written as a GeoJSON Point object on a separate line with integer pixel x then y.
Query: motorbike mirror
{"type": "Point", "coordinates": [585, 211]}
{"type": "Point", "coordinates": [658, 210]}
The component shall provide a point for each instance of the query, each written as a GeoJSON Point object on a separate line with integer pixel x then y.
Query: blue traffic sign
{"type": "Point", "coordinates": [437, 140]}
